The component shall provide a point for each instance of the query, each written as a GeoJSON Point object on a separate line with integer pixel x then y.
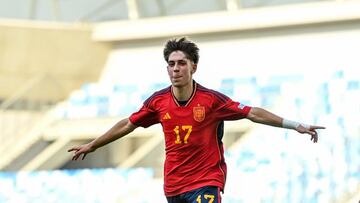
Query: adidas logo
{"type": "Point", "coordinates": [167, 116]}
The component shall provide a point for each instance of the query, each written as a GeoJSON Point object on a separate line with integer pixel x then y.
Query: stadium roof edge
{"type": "Point", "coordinates": [225, 21]}
{"type": "Point", "coordinates": [44, 24]}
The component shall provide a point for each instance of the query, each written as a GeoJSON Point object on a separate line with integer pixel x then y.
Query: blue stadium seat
{"type": "Point", "coordinates": [86, 185]}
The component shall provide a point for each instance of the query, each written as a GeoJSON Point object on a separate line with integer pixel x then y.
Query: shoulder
{"type": "Point", "coordinates": [157, 95]}
{"type": "Point", "coordinates": [212, 93]}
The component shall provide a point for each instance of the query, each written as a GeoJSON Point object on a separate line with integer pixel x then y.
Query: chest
{"type": "Point", "coordinates": [196, 113]}
{"type": "Point", "coordinates": [187, 125]}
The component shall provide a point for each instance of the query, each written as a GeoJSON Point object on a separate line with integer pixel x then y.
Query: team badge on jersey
{"type": "Point", "coordinates": [199, 113]}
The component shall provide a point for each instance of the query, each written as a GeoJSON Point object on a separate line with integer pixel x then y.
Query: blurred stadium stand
{"type": "Point", "coordinates": [68, 74]}
{"type": "Point", "coordinates": [67, 185]}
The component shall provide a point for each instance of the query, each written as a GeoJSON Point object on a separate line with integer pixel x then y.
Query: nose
{"type": "Point", "coordinates": [176, 67]}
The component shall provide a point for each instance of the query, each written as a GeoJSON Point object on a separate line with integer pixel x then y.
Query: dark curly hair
{"type": "Point", "coordinates": [188, 47]}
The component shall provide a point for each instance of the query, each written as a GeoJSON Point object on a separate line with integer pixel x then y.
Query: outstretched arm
{"type": "Point", "coordinates": [259, 115]}
{"type": "Point", "coordinates": [119, 130]}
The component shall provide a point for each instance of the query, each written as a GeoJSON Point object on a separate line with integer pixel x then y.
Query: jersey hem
{"type": "Point", "coordinates": [194, 187]}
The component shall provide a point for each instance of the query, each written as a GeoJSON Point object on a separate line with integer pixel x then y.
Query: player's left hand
{"type": "Point", "coordinates": [311, 131]}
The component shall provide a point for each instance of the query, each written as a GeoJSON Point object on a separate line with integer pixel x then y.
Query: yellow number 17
{"type": "Point", "coordinates": [207, 197]}
{"type": "Point", "coordinates": [187, 129]}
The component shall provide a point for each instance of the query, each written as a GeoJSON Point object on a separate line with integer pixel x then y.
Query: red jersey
{"type": "Point", "coordinates": [193, 134]}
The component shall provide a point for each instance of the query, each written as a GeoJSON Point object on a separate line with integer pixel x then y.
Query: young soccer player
{"type": "Point", "coordinates": [192, 118]}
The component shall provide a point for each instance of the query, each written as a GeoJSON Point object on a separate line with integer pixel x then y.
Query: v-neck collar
{"type": "Point", "coordinates": [189, 100]}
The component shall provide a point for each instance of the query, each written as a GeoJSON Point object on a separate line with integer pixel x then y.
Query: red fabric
{"type": "Point", "coordinates": [194, 151]}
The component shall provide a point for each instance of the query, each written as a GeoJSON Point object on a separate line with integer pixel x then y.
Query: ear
{"type": "Point", "coordinates": [194, 68]}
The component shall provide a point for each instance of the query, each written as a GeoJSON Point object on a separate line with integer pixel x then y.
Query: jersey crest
{"type": "Point", "coordinates": [199, 113]}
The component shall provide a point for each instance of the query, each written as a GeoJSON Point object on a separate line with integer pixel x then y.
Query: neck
{"type": "Point", "coordinates": [183, 93]}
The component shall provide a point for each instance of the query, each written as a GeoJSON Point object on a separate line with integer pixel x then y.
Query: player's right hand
{"type": "Point", "coordinates": [82, 149]}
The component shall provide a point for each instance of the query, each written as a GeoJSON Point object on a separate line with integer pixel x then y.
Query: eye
{"type": "Point", "coordinates": [182, 62]}
{"type": "Point", "coordinates": [171, 64]}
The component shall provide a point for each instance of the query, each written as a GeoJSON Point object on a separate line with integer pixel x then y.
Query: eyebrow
{"type": "Point", "coordinates": [183, 59]}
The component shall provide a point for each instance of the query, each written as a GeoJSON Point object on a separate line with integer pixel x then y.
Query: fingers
{"type": "Point", "coordinates": [73, 149]}
{"type": "Point", "coordinates": [316, 127]}
{"type": "Point", "coordinates": [314, 135]}
{"type": "Point", "coordinates": [311, 131]}
{"type": "Point", "coordinates": [77, 153]}
{"type": "Point", "coordinates": [314, 138]}
{"type": "Point", "coordinates": [76, 156]}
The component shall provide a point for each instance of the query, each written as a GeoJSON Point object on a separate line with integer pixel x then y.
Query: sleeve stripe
{"type": "Point", "coordinates": [219, 95]}
{"type": "Point", "coordinates": [160, 92]}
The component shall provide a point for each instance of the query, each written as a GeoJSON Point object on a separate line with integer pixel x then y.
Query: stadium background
{"type": "Point", "coordinates": [70, 69]}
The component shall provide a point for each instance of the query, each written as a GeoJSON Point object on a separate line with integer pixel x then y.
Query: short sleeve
{"type": "Point", "coordinates": [227, 109]}
{"type": "Point", "coordinates": [145, 117]}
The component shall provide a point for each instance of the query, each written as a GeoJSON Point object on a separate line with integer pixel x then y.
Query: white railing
{"type": "Point", "coordinates": [19, 113]}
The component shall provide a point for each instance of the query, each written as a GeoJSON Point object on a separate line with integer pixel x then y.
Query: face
{"type": "Point", "coordinates": [180, 69]}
